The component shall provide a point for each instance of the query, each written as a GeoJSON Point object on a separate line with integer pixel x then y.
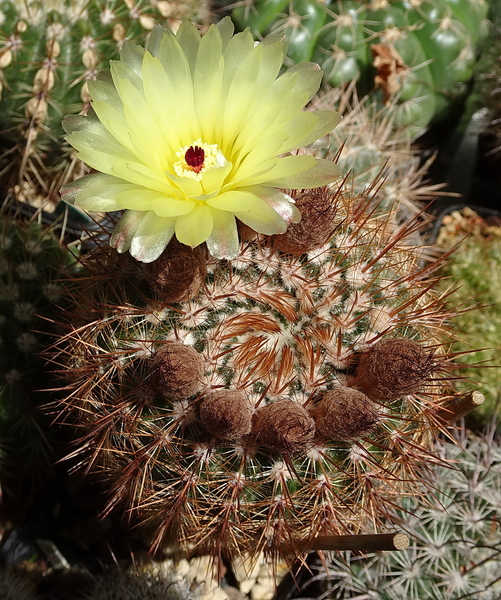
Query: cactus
{"type": "Point", "coordinates": [369, 146]}
{"type": "Point", "coordinates": [49, 50]}
{"type": "Point", "coordinates": [33, 262]}
{"type": "Point", "coordinates": [139, 584]}
{"type": "Point", "coordinates": [16, 584]}
{"type": "Point", "coordinates": [457, 540]}
{"type": "Point", "coordinates": [420, 52]}
{"type": "Point", "coordinates": [252, 405]}
{"type": "Point", "coordinates": [114, 584]}
{"type": "Point", "coordinates": [475, 268]}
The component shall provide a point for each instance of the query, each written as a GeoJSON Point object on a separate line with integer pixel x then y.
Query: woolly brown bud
{"type": "Point", "coordinates": [178, 273]}
{"type": "Point", "coordinates": [284, 427]}
{"type": "Point", "coordinates": [177, 371]}
{"type": "Point", "coordinates": [393, 368]}
{"type": "Point", "coordinates": [345, 414]}
{"type": "Point", "coordinates": [226, 414]}
{"type": "Point", "coordinates": [318, 209]}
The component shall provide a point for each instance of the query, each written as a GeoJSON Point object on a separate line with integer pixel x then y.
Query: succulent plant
{"type": "Point", "coordinates": [420, 52]}
{"type": "Point", "coordinates": [49, 51]}
{"type": "Point", "coordinates": [32, 265]}
{"type": "Point", "coordinates": [255, 404]}
{"type": "Point", "coordinates": [114, 584]}
{"type": "Point", "coordinates": [376, 154]}
{"type": "Point", "coordinates": [142, 585]}
{"type": "Point", "coordinates": [475, 269]}
{"type": "Point", "coordinates": [16, 584]}
{"type": "Point", "coordinates": [456, 548]}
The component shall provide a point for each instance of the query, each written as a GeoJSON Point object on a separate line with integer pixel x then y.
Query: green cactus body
{"type": "Point", "coordinates": [32, 264]}
{"type": "Point", "coordinates": [210, 409]}
{"type": "Point", "coordinates": [422, 52]}
{"type": "Point", "coordinates": [48, 51]}
{"type": "Point", "coordinates": [457, 540]}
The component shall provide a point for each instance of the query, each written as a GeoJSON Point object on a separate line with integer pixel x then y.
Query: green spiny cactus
{"type": "Point", "coordinates": [48, 52]}
{"type": "Point", "coordinates": [475, 268]}
{"type": "Point", "coordinates": [252, 405]}
{"type": "Point", "coordinates": [32, 265]}
{"type": "Point", "coordinates": [457, 539]}
{"type": "Point", "coordinates": [370, 147]}
{"type": "Point", "coordinates": [421, 52]}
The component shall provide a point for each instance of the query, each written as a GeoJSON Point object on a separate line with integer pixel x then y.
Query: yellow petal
{"type": "Point", "coordinates": [146, 200]}
{"type": "Point", "coordinates": [125, 229]}
{"type": "Point", "coordinates": [263, 219]}
{"type": "Point", "coordinates": [141, 175]}
{"type": "Point", "coordinates": [284, 168]}
{"type": "Point", "coordinates": [326, 120]}
{"type": "Point", "coordinates": [207, 81]}
{"type": "Point", "coordinates": [213, 179]}
{"type": "Point", "coordinates": [187, 186]}
{"type": "Point", "coordinates": [193, 229]}
{"type": "Point", "coordinates": [223, 241]}
{"type": "Point", "coordinates": [94, 192]}
{"type": "Point", "coordinates": [171, 207]}
{"type": "Point", "coordinates": [234, 201]}
{"type": "Point", "coordinates": [151, 237]}
{"type": "Point", "coordinates": [322, 173]}
{"type": "Point", "coordinates": [188, 39]}
{"type": "Point", "coordinates": [279, 201]}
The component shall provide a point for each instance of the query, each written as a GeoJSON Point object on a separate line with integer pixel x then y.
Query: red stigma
{"type": "Point", "coordinates": [194, 158]}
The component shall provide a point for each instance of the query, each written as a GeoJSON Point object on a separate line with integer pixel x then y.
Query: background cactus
{"type": "Point", "coordinates": [48, 51]}
{"type": "Point", "coordinates": [115, 584]}
{"type": "Point", "coordinates": [377, 154]}
{"type": "Point", "coordinates": [420, 52]}
{"type": "Point", "coordinates": [32, 264]}
{"type": "Point", "coordinates": [457, 539]}
{"type": "Point", "coordinates": [476, 268]}
{"type": "Point", "coordinates": [212, 405]}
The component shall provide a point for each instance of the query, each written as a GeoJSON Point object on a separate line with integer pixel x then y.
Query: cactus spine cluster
{"type": "Point", "coordinates": [457, 540]}
{"type": "Point", "coordinates": [48, 52]}
{"type": "Point", "coordinates": [235, 405]}
{"type": "Point", "coordinates": [421, 52]}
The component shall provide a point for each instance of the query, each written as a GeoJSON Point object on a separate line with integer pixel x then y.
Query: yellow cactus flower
{"type": "Point", "coordinates": [195, 132]}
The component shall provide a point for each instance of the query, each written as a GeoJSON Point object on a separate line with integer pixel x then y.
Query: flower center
{"type": "Point", "coordinates": [196, 158]}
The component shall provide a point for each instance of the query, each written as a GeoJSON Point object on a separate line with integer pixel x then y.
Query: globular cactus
{"type": "Point", "coordinates": [457, 539]}
{"type": "Point", "coordinates": [377, 154]}
{"type": "Point", "coordinates": [48, 52]}
{"type": "Point", "coordinates": [32, 265]}
{"type": "Point", "coordinates": [252, 405]}
{"type": "Point", "coordinates": [420, 52]}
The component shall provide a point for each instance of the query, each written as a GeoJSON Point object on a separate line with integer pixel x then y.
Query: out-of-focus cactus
{"type": "Point", "coordinates": [32, 265]}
